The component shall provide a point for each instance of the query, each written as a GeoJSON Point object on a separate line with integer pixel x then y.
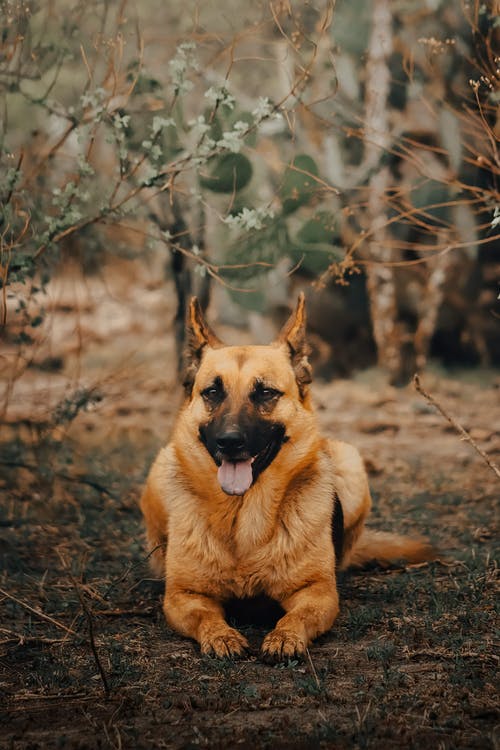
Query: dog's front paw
{"type": "Point", "coordinates": [281, 644]}
{"type": "Point", "coordinates": [227, 643]}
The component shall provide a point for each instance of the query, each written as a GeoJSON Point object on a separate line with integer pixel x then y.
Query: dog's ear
{"type": "Point", "coordinates": [198, 336]}
{"type": "Point", "coordinates": [293, 334]}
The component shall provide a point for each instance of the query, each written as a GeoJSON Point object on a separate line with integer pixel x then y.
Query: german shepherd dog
{"type": "Point", "coordinates": [249, 499]}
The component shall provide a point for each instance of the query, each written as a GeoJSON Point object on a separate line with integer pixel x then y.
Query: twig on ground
{"type": "Point", "coordinates": [313, 670]}
{"type": "Point", "coordinates": [51, 697]}
{"type": "Point", "coordinates": [146, 612]}
{"type": "Point", "coordinates": [123, 576]}
{"type": "Point", "coordinates": [456, 425]}
{"type": "Point", "coordinates": [42, 615]}
{"type": "Point", "coordinates": [21, 640]}
{"type": "Point", "coordinates": [90, 622]}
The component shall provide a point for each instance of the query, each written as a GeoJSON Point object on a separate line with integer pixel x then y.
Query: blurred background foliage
{"type": "Point", "coordinates": [349, 148]}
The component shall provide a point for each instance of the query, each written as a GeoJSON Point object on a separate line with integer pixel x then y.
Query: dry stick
{"type": "Point", "coordinates": [90, 621]}
{"type": "Point", "coordinates": [36, 697]}
{"type": "Point", "coordinates": [458, 427]}
{"type": "Point", "coordinates": [313, 670]}
{"type": "Point", "coordinates": [130, 568]}
{"type": "Point", "coordinates": [147, 612]}
{"type": "Point", "coordinates": [22, 639]}
{"type": "Point", "coordinates": [37, 613]}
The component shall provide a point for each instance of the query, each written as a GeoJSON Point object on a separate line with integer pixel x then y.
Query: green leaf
{"type": "Point", "coordinates": [254, 300]}
{"type": "Point", "coordinates": [299, 185]}
{"type": "Point", "coordinates": [244, 258]}
{"type": "Point", "coordinates": [314, 246]}
{"type": "Point", "coordinates": [228, 173]}
{"type": "Point", "coordinates": [321, 228]}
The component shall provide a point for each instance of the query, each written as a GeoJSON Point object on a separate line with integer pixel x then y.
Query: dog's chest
{"type": "Point", "coordinates": [258, 572]}
{"type": "Point", "coordinates": [263, 559]}
{"type": "Point", "coordinates": [270, 543]}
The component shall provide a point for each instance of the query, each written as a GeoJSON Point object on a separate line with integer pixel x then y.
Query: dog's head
{"type": "Point", "coordinates": [244, 400]}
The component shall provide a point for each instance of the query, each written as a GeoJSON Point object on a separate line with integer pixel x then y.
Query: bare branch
{"type": "Point", "coordinates": [37, 612]}
{"type": "Point", "coordinates": [456, 425]}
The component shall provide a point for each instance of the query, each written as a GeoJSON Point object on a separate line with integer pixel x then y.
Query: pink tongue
{"type": "Point", "coordinates": [235, 477]}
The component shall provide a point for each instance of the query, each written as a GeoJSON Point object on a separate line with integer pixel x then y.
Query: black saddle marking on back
{"type": "Point", "coordinates": [337, 527]}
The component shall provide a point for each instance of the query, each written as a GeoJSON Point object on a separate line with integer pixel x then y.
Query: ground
{"type": "Point", "coordinates": [86, 659]}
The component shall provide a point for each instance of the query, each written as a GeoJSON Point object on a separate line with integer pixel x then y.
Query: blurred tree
{"type": "Point", "coordinates": [277, 145]}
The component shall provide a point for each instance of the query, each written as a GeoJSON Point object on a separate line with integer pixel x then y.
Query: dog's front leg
{"type": "Point", "coordinates": [310, 611]}
{"type": "Point", "coordinates": [202, 618]}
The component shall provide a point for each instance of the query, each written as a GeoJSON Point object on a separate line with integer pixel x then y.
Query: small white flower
{"type": "Point", "coordinates": [180, 65]}
{"type": "Point", "coordinates": [160, 123]}
{"type": "Point", "coordinates": [121, 121]}
{"type": "Point", "coordinates": [204, 149]}
{"type": "Point", "coordinates": [263, 109]}
{"type": "Point", "coordinates": [240, 127]}
{"type": "Point", "coordinates": [495, 222]}
{"type": "Point", "coordinates": [220, 95]}
{"type": "Point", "coordinates": [232, 140]}
{"type": "Point", "coordinates": [212, 94]}
{"type": "Point", "coordinates": [198, 126]}
{"type": "Point", "coordinates": [155, 152]}
{"type": "Point", "coordinates": [249, 218]}
{"type": "Point", "coordinates": [201, 270]}
{"type": "Point", "coordinates": [83, 166]}
{"type": "Point", "coordinates": [151, 173]}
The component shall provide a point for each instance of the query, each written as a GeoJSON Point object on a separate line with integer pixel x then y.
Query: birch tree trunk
{"type": "Point", "coordinates": [380, 278]}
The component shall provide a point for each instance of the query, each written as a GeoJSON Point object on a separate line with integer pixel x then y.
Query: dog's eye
{"type": "Point", "coordinates": [269, 393]}
{"type": "Point", "coordinates": [215, 392]}
{"type": "Point", "coordinates": [264, 395]}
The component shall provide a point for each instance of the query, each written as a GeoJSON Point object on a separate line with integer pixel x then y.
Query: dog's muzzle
{"type": "Point", "coordinates": [240, 456]}
{"type": "Point", "coordinates": [235, 471]}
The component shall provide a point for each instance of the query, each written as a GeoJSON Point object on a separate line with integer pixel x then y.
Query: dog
{"type": "Point", "coordinates": [249, 499]}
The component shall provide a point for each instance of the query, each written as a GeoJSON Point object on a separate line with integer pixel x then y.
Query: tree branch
{"type": "Point", "coordinates": [456, 425]}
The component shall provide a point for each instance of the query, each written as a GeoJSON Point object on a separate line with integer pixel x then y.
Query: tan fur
{"type": "Point", "coordinates": [276, 539]}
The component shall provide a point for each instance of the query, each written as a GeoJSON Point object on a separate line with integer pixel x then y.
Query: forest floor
{"type": "Point", "coordinates": [86, 659]}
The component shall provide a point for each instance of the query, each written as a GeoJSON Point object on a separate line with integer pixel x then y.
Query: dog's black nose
{"type": "Point", "coordinates": [230, 442]}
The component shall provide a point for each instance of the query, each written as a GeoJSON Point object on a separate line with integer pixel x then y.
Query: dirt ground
{"type": "Point", "coordinates": [86, 659]}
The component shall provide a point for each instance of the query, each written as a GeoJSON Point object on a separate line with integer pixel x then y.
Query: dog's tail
{"type": "Point", "coordinates": [385, 548]}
